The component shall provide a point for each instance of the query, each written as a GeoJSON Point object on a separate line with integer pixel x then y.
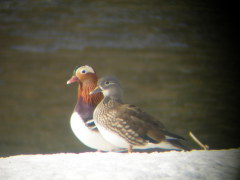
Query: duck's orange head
{"type": "Point", "coordinates": [83, 74]}
{"type": "Point", "coordinates": [86, 77]}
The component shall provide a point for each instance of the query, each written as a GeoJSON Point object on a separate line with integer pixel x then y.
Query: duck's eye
{"type": "Point", "coordinates": [83, 71]}
{"type": "Point", "coordinates": [107, 82]}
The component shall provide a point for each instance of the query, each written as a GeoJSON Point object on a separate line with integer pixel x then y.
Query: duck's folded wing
{"type": "Point", "coordinates": [143, 125]}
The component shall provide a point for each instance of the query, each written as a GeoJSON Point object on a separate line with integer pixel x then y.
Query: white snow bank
{"type": "Point", "coordinates": [221, 164]}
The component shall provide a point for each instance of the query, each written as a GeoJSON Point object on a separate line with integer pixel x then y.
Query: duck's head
{"type": "Point", "coordinates": [82, 74]}
{"type": "Point", "coordinates": [86, 77]}
{"type": "Point", "coordinates": [110, 87]}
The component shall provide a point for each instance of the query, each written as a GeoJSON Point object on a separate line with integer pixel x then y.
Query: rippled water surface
{"type": "Point", "coordinates": [174, 59]}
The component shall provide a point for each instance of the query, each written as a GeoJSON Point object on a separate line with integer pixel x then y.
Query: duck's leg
{"type": "Point", "coordinates": [130, 149]}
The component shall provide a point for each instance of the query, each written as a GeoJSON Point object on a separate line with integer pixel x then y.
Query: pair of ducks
{"type": "Point", "coordinates": [101, 120]}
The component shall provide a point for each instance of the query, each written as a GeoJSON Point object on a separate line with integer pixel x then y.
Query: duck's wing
{"type": "Point", "coordinates": [91, 124]}
{"type": "Point", "coordinates": [141, 126]}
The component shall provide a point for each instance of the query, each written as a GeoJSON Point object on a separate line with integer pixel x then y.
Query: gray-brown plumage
{"type": "Point", "coordinates": [127, 126]}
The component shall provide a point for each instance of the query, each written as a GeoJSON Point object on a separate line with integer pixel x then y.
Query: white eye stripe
{"type": "Point", "coordinates": [86, 69]}
{"type": "Point", "coordinates": [107, 83]}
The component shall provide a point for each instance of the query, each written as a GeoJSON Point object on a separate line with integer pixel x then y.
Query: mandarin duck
{"type": "Point", "coordinates": [126, 125]}
{"type": "Point", "coordinates": [81, 121]}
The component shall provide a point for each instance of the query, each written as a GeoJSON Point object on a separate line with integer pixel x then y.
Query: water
{"type": "Point", "coordinates": [174, 59]}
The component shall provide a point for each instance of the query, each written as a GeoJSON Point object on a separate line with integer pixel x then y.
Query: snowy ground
{"type": "Point", "coordinates": [222, 164]}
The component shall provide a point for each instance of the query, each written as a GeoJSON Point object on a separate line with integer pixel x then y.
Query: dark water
{"type": "Point", "coordinates": [175, 60]}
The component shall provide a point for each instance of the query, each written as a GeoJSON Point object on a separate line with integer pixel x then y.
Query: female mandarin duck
{"type": "Point", "coordinates": [127, 126]}
{"type": "Point", "coordinates": [81, 120]}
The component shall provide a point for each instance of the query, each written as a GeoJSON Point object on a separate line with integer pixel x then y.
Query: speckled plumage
{"type": "Point", "coordinates": [128, 123]}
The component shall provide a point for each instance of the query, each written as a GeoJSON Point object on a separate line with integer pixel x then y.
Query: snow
{"type": "Point", "coordinates": [197, 164]}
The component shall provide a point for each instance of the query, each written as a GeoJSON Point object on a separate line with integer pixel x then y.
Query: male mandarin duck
{"type": "Point", "coordinates": [127, 126]}
{"type": "Point", "coordinates": [81, 122]}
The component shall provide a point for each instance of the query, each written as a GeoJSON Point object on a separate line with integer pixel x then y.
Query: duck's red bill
{"type": "Point", "coordinates": [73, 79]}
